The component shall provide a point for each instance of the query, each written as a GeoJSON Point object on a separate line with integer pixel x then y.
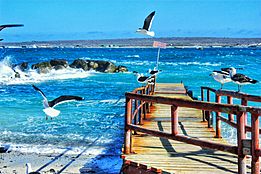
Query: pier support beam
{"type": "Point", "coordinates": [127, 140]}
{"type": "Point", "coordinates": [241, 135]}
{"type": "Point", "coordinates": [218, 120]}
{"type": "Point", "coordinates": [174, 120]}
{"type": "Point", "coordinates": [230, 101]}
{"type": "Point", "coordinates": [255, 165]}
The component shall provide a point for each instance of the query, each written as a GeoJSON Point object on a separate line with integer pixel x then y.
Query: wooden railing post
{"type": "Point", "coordinates": [218, 120]}
{"type": "Point", "coordinates": [244, 103]}
{"type": "Point", "coordinates": [144, 108]}
{"type": "Point", "coordinates": [202, 99]}
{"type": "Point", "coordinates": [137, 115]}
{"type": "Point", "coordinates": [128, 115]}
{"type": "Point", "coordinates": [255, 165]}
{"type": "Point", "coordinates": [241, 135]}
{"type": "Point", "coordinates": [174, 120]}
{"type": "Point", "coordinates": [230, 101]}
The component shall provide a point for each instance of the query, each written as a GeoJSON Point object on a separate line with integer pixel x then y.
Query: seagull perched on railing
{"type": "Point", "coordinates": [49, 105]}
{"type": "Point", "coordinates": [143, 79]}
{"type": "Point", "coordinates": [240, 79]}
{"type": "Point", "coordinates": [147, 25]}
{"type": "Point", "coordinates": [221, 77]}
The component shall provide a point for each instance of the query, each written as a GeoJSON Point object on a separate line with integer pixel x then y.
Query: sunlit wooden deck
{"type": "Point", "coordinates": [160, 155]}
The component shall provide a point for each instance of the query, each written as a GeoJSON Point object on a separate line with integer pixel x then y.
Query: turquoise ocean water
{"type": "Point", "coordinates": [99, 119]}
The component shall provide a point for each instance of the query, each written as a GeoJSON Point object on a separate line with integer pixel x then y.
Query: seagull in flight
{"type": "Point", "coordinates": [8, 26]}
{"type": "Point", "coordinates": [49, 105]}
{"type": "Point", "coordinates": [147, 25]}
{"type": "Point", "coordinates": [240, 79]}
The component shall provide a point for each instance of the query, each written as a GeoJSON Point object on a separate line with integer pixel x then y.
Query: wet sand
{"type": "Point", "coordinates": [14, 163]}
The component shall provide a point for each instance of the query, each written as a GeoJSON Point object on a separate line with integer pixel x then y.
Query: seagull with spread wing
{"type": "Point", "coordinates": [9, 26]}
{"type": "Point", "coordinates": [49, 105]}
{"type": "Point", "coordinates": [147, 25]}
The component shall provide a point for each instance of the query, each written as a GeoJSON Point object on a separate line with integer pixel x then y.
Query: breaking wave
{"type": "Point", "coordinates": [8, 74]}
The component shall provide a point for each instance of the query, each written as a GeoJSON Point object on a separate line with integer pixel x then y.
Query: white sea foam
{"type": "Point", "coordinates": [51, 149]}
{"type": "Point", "coordinates": [192, 63]}
{"type": "Point", "coordinates": [7, 74]}
{"type": "Point", "coordinates": [135, 56]}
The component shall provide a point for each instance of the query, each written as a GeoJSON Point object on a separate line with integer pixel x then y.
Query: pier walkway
{"type": "Point", "coordinates": [166, 135]}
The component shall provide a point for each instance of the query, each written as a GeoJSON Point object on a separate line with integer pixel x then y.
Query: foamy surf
{"type": "Point", "coordinates": [8, 74]}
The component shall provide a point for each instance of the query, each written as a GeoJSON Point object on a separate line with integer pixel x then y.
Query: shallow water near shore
{"type": "Point", "coordinates": [98, 121]}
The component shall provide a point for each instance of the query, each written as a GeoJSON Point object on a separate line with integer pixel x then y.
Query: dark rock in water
{"type": "Point", "coordinates": [121, 68]}
{"type": "Point", "coordinates": [17, 75]}
{"type": "Point", "coordinates": [105, 66]}
{"type": "Point", "coordinates": [93, 65]}
{"type": "Point", "coordinates": [43, 67]}
{"type": "Point", "coordinates": [22, 66]}
{"type": "Point", "coordinates": [58, 67]}
{"type": "Point", "coordinates": [79, 63]}
{"type": "Point", "coordinates": [61, 62]}
{"type": "Point", "coordinates": [86, 65]}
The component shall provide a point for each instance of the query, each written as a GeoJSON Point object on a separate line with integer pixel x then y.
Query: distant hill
{"type": "Point", "coordinates": [178, 42]}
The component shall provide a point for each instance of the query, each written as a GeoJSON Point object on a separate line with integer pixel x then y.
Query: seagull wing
{"type": "Point", "coordinates": [41, 92]}
{"type": "Point", "coordinates": [148, 21]}
{"type": "Point", "coordinates": [10, 25]}
{"type": "Point", "coordinates": [222, 72]}
{"type": "Point", "coordinates": [241, 78]}
{"type": "Point", "coordinates": [64, 99]}
{"type": "Point", "coordinates": [142, 78]}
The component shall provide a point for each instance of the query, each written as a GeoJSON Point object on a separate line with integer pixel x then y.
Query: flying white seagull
{"type": "Point", "coordinates": [240, 79]}
{"type": "Point", "coordinates": [147, 25]}
{"type": "Point", "coordinates": [49, 105]}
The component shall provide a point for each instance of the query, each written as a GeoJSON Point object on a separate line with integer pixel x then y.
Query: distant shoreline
{"type": "Point", "coordinates": [172, 42]}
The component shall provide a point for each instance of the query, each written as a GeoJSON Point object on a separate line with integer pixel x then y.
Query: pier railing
{"type": "Point", "coordinates": [137, 103]}
{"type": "Point", "coordinates": [230, 96]}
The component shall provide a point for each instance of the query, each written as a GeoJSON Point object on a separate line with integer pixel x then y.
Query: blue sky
{"type": "Point", "coordinates": [110, 19]}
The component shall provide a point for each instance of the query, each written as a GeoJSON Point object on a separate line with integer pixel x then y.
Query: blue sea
{"type": "Point", "coordinates": [99, 119]}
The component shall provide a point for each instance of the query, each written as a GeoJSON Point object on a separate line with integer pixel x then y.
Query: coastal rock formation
{"type": "Point", "coordinates": [121, 69]}
{"type": "Point", "coordinates": [42, 67]}
{"type": "Point", "coordinates": [22, 66]}
{"type": "Point", "coordinates": [98, 65]}
{"type": "Point", "coordinates": [57, 64]}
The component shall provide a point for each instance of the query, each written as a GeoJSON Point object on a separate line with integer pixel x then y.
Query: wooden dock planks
{"type": "Point", "coordinates": [176, 157]}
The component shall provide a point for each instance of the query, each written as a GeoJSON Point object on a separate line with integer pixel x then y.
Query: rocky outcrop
{"type": "Point", "coordinates": [42, 67]}
{"type": "Point", "coordinates": [59, 63]}
{"type": "Point", "coordinates": [79, 63]}
{"type": "Point", "coordinates": [86, 65]}
{"type": "Point", "coordinates": [121, 69]}
{"type": "Point", "coordinates": [45, 67]}
{"type": "Point", "coordinates": [98, 65]}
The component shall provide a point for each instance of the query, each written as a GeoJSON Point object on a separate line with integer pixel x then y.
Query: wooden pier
{"type": "Point", "coordinates": [168, 132]}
